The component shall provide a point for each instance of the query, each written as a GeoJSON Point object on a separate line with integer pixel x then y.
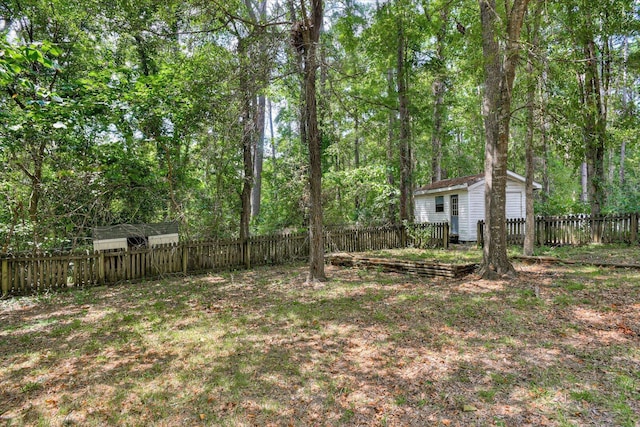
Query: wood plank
{"type": "Point", "coordinates": [423, 268]}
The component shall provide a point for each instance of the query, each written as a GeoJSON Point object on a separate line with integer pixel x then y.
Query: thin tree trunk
{"type": "Point", "coordinates": [391, 212]}
{"type": "Point", "coordinates": [545, 126]}
{"type": "Point", "coordinates": [611, 167]}
{"type": "Point", "coordinates": [38, 156]}
{"type": "Point", "coordinates": [594, 126]}
{"type": "Point", "coordinates": [439, 107]}
{"type": "Point", "coordinates": [623, 154]}
{"type": "Point", "coordinates": [248, 133]}
{"type": "Point", "coordinates": [527, 249]}
{"type": "Point", "coordinates": [584, 183]}
{"type": "Point", "coordinates": [405, 145]}
{"type": "Point", "coordinates": [356, 158]}
{"type": "Point", "coordinates": [256, 193]}
{"type": "Point", "coordinates": [254, 74]}
{"type": "Point", "coordinates": [437, 135]}
{"type": "Point", "coordinates": [174, 207]}
{"type": "Point", "coordinates": [272, 138]}
{"type": "Point", "coordinates": [533, 82]}
{"type": "Point", "coordinates": [626, 106]}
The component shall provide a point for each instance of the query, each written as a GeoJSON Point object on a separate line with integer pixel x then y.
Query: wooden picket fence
{"type": "Point", "coordinates": [424, 235]}
{"type": "Point", "coordinates": [33, 273]}
{"type": "Point", "coordinates": [573, 230]}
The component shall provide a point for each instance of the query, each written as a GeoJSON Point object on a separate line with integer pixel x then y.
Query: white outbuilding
{"type": "Point", "coordinates": [460, 202]}
{"type": "Point", "coordinates": [135, 236]}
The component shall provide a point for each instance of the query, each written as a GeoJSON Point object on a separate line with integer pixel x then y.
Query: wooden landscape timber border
{"type": "Point", "coordinates": [554, 260]}
{"type": "Point", "coordinates": [422, 268]}
{"type": "Point", "coordinates": [34, 273]}
{"type": "Point", "coordinates": [573, 230]}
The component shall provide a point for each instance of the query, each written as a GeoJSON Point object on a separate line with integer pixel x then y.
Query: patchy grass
{"type": "Point", "coordinates": [263, 347]}
{"type": "Point", "coordinates": [458, 254]}
{"type": "Point", "coordinates": [611, 253]}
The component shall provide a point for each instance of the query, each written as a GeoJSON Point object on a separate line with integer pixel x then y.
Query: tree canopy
{"type": "Point", "coordinates": [141, 111]}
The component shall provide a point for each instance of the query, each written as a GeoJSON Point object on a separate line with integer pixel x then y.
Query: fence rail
{"type": "Point", "coordinates": [25, 274]}
{"type": "Point", "coordinates": [573, 230]}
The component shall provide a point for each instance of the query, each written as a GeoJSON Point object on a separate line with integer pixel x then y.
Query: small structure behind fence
{"type": "Point", "coordinates": [573, 230]}
{"type": "Point", "coordinates": [25, 274]}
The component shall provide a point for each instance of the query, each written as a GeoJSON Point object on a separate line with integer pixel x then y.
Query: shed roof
{"type": "Point", "coordinates": [134, 230]}
{"type": "Point", "coordinates": [465, 182]}
{"type": "Point", "coordinates": [453, 182]}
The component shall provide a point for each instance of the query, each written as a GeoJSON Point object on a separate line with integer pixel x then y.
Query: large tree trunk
{"type": "Point", "coordinates": [499, 70]}
{"type": "Point", "coordinates": [406, 186]}
{"type": "Point", "coordinates": [310, 32]}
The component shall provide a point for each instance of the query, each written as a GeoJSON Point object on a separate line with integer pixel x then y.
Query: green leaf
{"type": "Point", "coordinates": [32, 54]}
{"type": "Point", "coordinates": [55, 51]}
{"type": "Point", "coordinates": [15, 68]}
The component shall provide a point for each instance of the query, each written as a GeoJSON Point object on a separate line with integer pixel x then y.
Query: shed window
{"type": "Point", "coordinates": [439, 203]}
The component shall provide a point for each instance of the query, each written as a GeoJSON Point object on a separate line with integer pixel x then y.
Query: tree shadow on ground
{"type": "Point", "coordinates": [367, 348]}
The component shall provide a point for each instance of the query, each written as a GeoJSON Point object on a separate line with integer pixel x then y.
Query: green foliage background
{"type": "Point", "coordinates": [117, 111]}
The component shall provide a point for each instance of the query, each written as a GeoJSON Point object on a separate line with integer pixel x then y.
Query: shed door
{"type": "Point", "coordinates": [454, 214]}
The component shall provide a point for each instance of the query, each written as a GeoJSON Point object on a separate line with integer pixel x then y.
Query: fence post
{"type": "Point", "coordinates": [185, 258]}
{"type": "Point", "coordinates": [5, 277]}
{"type": "Point", "coordinates": [101, 278]}
{"type": "Point", "coordinates": [445, 235]}
{"type": "Point", "coordinates": [634, 228]}
{"type": "Point", "coordinates": [480, 234]}
{"type": "Point", "coordinates": [246, 253]}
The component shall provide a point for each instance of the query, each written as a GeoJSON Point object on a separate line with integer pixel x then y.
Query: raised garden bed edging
{"type": "Point", "coordinates": [422, 268]}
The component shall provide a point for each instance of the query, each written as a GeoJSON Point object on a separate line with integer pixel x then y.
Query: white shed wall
{"type": "Point", "coordinates": [515, 206]}
{"type": "Point", "coordinates": [163, 239]}
{"type": "Point", "coordinates": [421, 208]}
{"type": "Point", "coordinates": [515, 199]}
{"type": "Point", "coordinates": [476, 210]}
{"type": "Point", "coordinates": [110, 244]}
{"type": "Point", "coordinates": [425, 210]}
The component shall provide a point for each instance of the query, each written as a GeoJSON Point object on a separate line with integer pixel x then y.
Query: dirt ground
{"type": "Point", "coordinates": [559, 345]}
